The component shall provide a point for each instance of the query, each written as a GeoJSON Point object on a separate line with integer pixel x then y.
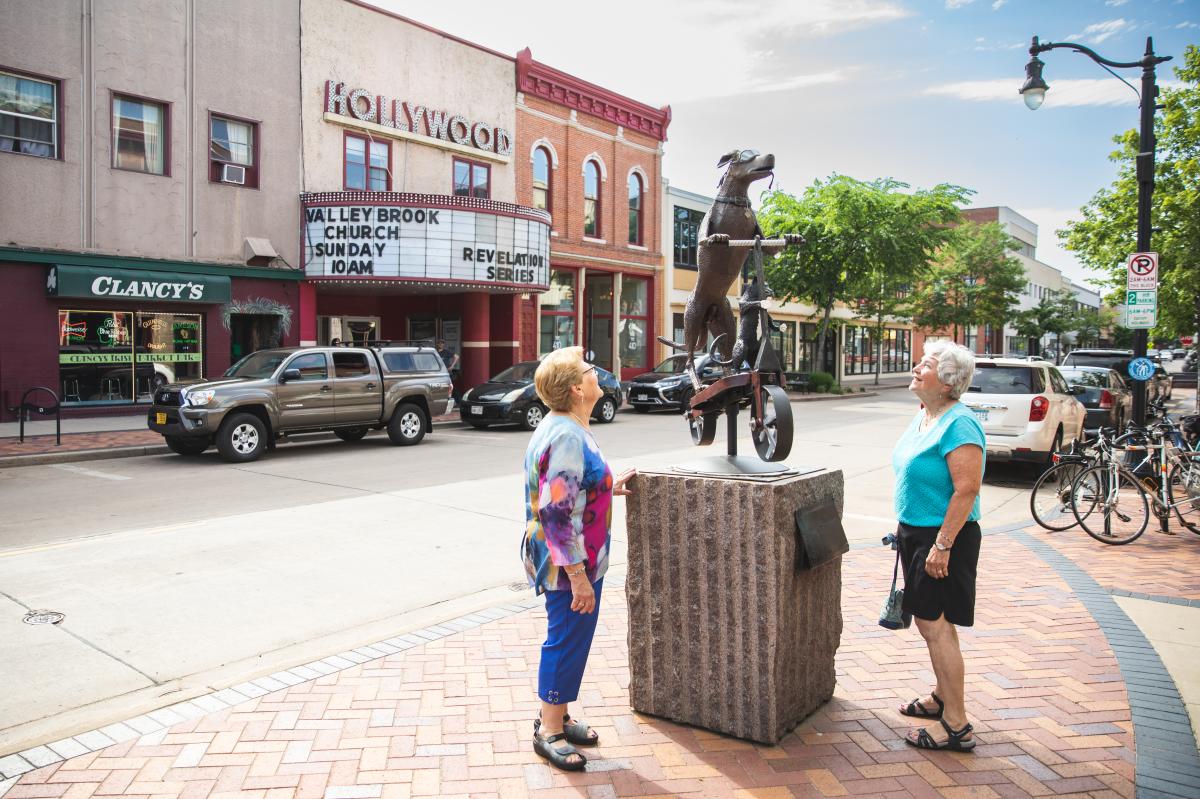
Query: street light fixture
{"type": "Point", "coordinates": [1033, 91]}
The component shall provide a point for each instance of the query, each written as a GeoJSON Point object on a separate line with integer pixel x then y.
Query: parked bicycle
{"type": "Point", "coordinates": [1112, 500]}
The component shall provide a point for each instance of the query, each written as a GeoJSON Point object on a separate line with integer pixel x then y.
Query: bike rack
{"type": "Point", "coordinates": [26, 407]}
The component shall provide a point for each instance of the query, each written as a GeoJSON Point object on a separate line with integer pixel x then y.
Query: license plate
{"type": "Point", "coordinates": [477, 410]}
{"type": "Point", "coordinates": [980, 413]}
{"type": "Point", "coordinates": [160, 418]}
{"type": "Point", "coordinates": [643, 396]}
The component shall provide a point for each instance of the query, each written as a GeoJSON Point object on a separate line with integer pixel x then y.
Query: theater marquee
{"type": "Point", "coordinates": [426, 238]}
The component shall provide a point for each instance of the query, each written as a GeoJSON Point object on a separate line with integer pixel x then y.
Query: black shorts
{"type": "Point", "coordinates": [953, 596]}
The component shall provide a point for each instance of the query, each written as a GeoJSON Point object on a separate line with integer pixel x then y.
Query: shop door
{"type": "Point", "coordinates": [434, 328]}
{"type": "Point", "coordinates": [250, 333]}
{"type": "Point", "coordinates": [598, 318]}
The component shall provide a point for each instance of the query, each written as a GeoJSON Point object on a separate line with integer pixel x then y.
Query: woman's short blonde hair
{"type": "Point", "coordinates": [955, 365]}
{"type": "Point", "coordinates": [556, 375]}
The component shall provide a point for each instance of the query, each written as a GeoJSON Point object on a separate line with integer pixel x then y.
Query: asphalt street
{"type": "Point", "coordinates": [178, 576]}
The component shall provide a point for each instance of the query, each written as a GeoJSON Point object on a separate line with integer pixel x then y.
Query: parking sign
{"type": "Point", "coordinates": [1142, 271]}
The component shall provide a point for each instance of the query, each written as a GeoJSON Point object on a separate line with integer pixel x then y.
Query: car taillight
{"type": "Point", "coordinates": [1038, 408]}
{"type": "Point", "coordinates": [1106, 399]}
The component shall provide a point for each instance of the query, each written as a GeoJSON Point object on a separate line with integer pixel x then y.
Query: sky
{"type": "Point", "coordinates": [923, 91]}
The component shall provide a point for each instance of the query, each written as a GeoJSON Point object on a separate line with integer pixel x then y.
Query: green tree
{"type": "Point", "coordinates": [1054, 314]}
{"type": "Point", "coordinates": [1107, 233]}
{"type": "Point", "coordinates": [1089, 324]}
{"type": "Point", "coordinates": [865, 241]}
{"type": "Point", "coordinates": [1029, 327]}
{"type": "Point", "coordinates": [974, 280]}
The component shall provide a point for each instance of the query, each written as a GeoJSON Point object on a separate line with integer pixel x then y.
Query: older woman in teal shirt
{"type": "Point", "coordinates": [939, 464]}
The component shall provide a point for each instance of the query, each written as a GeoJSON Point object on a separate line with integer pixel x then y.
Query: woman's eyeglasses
{"type": "Point", "coordinates": [589, 369]}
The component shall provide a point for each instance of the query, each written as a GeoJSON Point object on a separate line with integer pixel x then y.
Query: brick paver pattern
{"type": "Point", "coordinates": [454, 718]}
{"type": "Point", "coordinates": [1153, 564]}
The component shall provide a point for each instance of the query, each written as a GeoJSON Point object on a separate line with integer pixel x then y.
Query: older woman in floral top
{"type": "Point", "coordinates": [568, 512]}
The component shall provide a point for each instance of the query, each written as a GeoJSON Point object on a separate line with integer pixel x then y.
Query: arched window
{"type": "Point", "coordinates": [591, 199]}
{"type": "Point", "coordinates": [635, 208]}
{"type": "Point", "coordinates": [541, 179]}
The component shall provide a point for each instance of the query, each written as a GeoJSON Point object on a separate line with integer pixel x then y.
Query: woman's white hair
{"type": "Point", "coordinates": [955, 365]}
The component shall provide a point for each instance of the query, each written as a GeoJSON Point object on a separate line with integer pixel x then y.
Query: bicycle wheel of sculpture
{"type": "Point", "coordinates": [704, 429]}
{"type": "Point", "coordinates": [774, 439]}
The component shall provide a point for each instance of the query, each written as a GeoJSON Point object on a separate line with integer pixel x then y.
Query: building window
{"type": "Point", "coordinates": [109, 357]}
{"type": "Point", "coordinates": [635, 209]}
{"type": "Point", "coordinates": [861, 350]}
{"type": "Point", "coordinates": [233, 142]}
{"type": "Point", "coordinates": [557, 306]}
{"type": "Point", "coordinates": [591, 199]}
{"type": "Point", "coordinates": [687, 231]}
{"type": "Point", "coordinates": [634, 337]}
{"type": "Point", "coordinates": [541, 179]}
{"type": "Point", "coordinates": [368, 164]}
{"type": "Point", "coordinates": [28, 116]}
{"type": "Point", "coordinates": [140, 131]}
{"type": "Point", "coordinates": [808, 349]}
{"type": "Point", "coordinates": [472, 179]}
{"type": "Point", "coordinates": [783, 341]}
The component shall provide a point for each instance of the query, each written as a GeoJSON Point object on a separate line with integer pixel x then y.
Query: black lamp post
{"type": "Point", "coordinates": [1034, 92]}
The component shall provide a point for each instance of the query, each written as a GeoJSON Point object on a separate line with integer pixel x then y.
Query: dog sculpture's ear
{"type": "Point", "coordinates": [725, 159]}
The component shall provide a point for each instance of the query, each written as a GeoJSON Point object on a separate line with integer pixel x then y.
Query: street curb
{"type": "Point", "coordinates": [83, 455]}
{"type": "Point", "coordinates": [830, 397]}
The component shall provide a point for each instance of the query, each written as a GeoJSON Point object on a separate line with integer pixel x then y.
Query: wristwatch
{"type": "Point", "coordinates": [937, 542]}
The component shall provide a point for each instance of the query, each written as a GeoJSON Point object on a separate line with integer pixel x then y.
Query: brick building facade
{"type": "Point", "coordinates": [592, 158]}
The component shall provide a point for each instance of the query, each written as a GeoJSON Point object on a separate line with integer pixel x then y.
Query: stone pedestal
{"type": "Point", "coordinates": [725, 632]}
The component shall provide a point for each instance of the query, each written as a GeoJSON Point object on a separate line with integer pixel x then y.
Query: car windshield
{"type": "Point", "coordinates": [257, 365]}
{"type": "Point", "coordinates": [1006, 379]}
{"type": "Point", "coordinates": [671, 366]}
{"type": "Point", "coordinates": [518, 373]}
{"type": "Point", "coordinates": [1118, 362]}
{"type": "Point", "coordinates": [1086, 377]}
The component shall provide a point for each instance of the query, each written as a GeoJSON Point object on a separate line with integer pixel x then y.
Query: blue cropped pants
{"type": "Point", "coordinates": [568, 641]}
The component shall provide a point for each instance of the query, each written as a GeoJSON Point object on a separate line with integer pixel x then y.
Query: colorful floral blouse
{"type": "Point", "coordinates": [568, 510]}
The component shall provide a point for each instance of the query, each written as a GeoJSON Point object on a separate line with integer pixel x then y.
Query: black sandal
{"type": "Point", "coordinates": [917, 710]}
{"type": "Point", "coordinates": [954, 743]}
{"type": "Point", "coordinates": [577, 732]}
{"type": "Point", "coordinates": [558, 755]}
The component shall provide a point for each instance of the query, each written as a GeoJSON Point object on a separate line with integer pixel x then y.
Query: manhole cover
{"type": "Point", "coordinates": [517, 586]}
{"type": "Point", "coordinates": [43, 617]}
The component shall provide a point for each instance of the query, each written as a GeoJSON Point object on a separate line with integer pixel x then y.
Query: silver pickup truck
{"type": "Point", "coordinates": [274, 393]}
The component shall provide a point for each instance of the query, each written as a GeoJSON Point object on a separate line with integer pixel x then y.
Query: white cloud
{"type": "Point", "coordinates": [1183, 25]}
{"type": "Point", "coordinates": [953, 4]}
{"type": "Point", "coordinates": [998, 4]}
{"type": "Point", "coordinates": [1115, 3]}
{"type": "Point", "coordinates": [1062, 94]}
{"type": "Point", "coordinates": [1098, 32]}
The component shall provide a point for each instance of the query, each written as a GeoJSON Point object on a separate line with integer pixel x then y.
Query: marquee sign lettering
{"type": "Point", "coordinates": [403, 115]}
{"type": "Point", "coordinates": [422, 243]}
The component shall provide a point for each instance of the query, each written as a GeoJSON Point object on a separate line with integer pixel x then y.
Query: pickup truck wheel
{"type": "Point", "coordinates": [606, 410]}
{"type": "Point", "coordinates": [242, 438]}
{"type": "Point", "coordinates": [532, 417]}
{"type": "Point", "coordinates": [407, 426]}
{"type": "Point", "coordinates": [187, 446]}
{"type": "Point", "coordinates": [351, 433]}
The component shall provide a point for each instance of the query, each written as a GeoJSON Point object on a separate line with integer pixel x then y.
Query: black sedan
{"type": "Point", "coordinates": [668, 385]}
{"type": "Point", "coordinates": [1104, 393]}
{"type": "Point", "coordinates": [509, 398]}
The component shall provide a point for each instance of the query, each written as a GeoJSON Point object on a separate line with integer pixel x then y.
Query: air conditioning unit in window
{"type": "Point", "coordinates": [233, 174]}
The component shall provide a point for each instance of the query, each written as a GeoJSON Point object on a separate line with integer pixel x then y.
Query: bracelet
{"type": "Point", "coordinates": [582, 570]}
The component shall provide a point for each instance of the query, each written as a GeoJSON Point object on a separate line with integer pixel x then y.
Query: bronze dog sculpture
{"type": "Point", "coordinates": [729, 218]}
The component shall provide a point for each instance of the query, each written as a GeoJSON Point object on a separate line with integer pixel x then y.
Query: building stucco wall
{"type": "Point", "coordinates": [389, 56]}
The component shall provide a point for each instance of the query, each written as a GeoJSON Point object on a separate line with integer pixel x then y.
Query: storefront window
{"type": "Point", "coordinates": [120, 356]}
{"type": "Point", "coordinates": [557, 305]}
{"type": "Point", "coordinates": [808, 349]}
{"type": "Point", "coordinates": [783, 341]}
{"type": "Point", "coordinates": [862, 350]}
{"type": "Point", "coordinates": [635, 323]}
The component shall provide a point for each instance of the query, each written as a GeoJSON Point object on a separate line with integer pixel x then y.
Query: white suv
{"type": "Point", "coordinates": [1026, 409]}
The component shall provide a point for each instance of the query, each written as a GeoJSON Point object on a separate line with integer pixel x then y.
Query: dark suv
{"type": "Point", "coordinates": [668, 386]}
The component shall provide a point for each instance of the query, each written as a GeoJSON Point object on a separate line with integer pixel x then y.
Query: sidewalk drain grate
{"type": "Point", "coordinates": [43, 617]}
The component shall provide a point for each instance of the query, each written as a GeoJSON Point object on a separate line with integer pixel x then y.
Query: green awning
{"type": "Point", "coordinates": [135, 284]}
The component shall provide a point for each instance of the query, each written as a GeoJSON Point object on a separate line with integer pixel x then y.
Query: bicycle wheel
{"type": "Point", "coordinates": [1184, 488]}
{"type": "Point", "coordinates": [1050, 501]}
{"type": "Point", "coordinates": [1119, 508]}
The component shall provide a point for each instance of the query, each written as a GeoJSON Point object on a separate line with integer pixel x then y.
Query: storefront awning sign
{"type": "Point", "coordinates": [428, 244]}
{"type": "Point", "coordinates": [135, 284]}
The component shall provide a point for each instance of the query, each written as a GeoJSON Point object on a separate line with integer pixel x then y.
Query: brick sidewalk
{"type": "Point", "coordinates": [453, 716]}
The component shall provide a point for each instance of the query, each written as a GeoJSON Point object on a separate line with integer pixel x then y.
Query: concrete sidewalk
{"type": "Point", "coordinates": [1066, 694]}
